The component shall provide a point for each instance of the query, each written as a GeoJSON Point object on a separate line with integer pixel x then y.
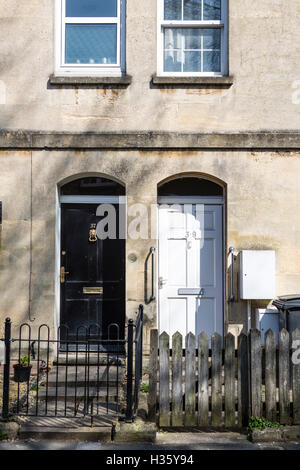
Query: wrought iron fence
{"type": "Point", "coordinates": [72, 375]}
{"type": "Point", "coordinates": [134, 365]}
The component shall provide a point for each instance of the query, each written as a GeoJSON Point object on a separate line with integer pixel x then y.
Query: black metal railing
{"type": "Point", "coordinates": [151, 298]}
{"type": "Point", "coordinates": [76, 374]}
{"type": "Point", "coordinates": [134, 364]}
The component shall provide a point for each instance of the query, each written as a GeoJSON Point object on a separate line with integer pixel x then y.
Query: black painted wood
{"type": "Point", "coordinates": [91, 264]}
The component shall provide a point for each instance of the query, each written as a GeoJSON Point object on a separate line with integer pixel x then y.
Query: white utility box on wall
{"type": "Point", "coordinates": [257, 274]}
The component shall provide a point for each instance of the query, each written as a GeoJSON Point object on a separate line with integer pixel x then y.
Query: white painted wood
{"type": "Point", "coordinates": [190, 200]}
{"type": "Point", "coordinates": [93, 199]}
{"type": "Point", "coordinates": [61, 20]}
{"type": "Point", "coordinates": [162, 24]}
{"type": "Point", "coordinates": [190, 257]}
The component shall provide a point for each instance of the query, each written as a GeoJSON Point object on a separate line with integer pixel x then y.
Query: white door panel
{"type": "Point", "coordinates": [176, 262]}
{"type": "Point", "coordinates": [206, 319]}
{"type": "Point", "coordinates": [190, 257]}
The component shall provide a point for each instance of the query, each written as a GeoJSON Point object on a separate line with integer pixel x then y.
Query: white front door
{"type": "Point", "coordinates": [190, 268]}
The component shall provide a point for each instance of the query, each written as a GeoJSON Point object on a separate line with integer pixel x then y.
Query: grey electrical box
{"type": "Point", "coordinates": [268, 319]}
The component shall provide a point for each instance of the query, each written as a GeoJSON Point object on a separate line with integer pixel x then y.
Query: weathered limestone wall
{"type": "Point", "coordinates": [263, 58]}
{"type": "Point", "coordinates": [263, 200]}
{"type": "Point", "coordinates": [263, 188]}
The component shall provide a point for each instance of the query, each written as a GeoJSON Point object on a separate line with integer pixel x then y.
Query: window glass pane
{"type": "Point", "coordinates": [192, 50]}
{"type": "Point", "coordinates": [212, 10]}
{"type": "Point", "coordinates": [173, 38]}
{"type": "Point", "coordinates": [91, 44]}
{"type": "Point", "coordinates": [192, 62]}
{"type": "Point", "coordinates": [211, 62]}
{"type": "Point", "coordinates": [173, 10]}
{"type": "Point", "coordinates": [192, 10]}
{"type": "Point", "coordinates": [211, 38]}
{"type": "Point", "coordinates": [172, 61]}
{"type": "Point", "coordinates": [91, 8]}
{"type": "Point", "coordinates": [192, 38]}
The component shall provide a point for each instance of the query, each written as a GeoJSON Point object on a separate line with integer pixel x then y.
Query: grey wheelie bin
{"type": "Point", "coordinates": [289, 312]}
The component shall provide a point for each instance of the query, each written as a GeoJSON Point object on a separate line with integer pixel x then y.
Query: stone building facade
{"type": "Point", "coordinates": [235, 127]}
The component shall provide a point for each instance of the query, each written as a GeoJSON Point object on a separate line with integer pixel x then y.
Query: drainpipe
{"type": "Point", "coordinates": [249, 314]}
{"type": "Point", "coordinates": [30, 246]}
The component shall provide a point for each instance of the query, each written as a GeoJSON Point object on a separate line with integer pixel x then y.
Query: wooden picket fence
{"type": "Point", "coordinates": [205, 385]}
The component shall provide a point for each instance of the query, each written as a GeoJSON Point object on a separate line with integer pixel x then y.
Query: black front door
{"type": "Point", "coordinates": [92, 275]}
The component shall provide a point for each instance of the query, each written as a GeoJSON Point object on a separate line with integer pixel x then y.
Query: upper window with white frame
{"type": "Point", "coordinates": [192, 37]}
{"type": "Point", "coordinates": [90, 36]}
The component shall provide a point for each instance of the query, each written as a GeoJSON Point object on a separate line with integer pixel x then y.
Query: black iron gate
{"type": "Point", "coordinates": [72, 378]}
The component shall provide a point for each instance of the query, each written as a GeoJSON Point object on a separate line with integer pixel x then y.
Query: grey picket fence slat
{"type": "Point", "coordinates": [203, 392]}
{"type": "Point", "coordinates": [190, 381]}
{"type": "Point", "coordinates": [173, 379]}
{"type": "Point", "coordinates": [270, 375]}
{"type": "Point", "coordinates": [243, 380]}
{"type": "Point", "coordinates": [255, 373]}
{"type": "Point", "coordinates": [229, 373]}
{"type": "Point", "coordinates": [177, 395]}
{"type": "Point", "coordinates": [296, 376]}
{"type": "Point", "coordinates": [153, 366]}
{"type": "Point", "coordinates": [284, 376]}
{"type": "Point", "coordinates": [164, 383]}
{"type": "Point", "coordinates": [216, 380]}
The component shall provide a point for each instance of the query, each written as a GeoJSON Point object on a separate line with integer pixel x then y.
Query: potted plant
{"type": "Point", "coordinates": [22, 370]}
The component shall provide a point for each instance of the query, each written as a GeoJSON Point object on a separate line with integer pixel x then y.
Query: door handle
{"type": "Point", "coordinates": [161, 282]}
{"type": "Point", "coordinates": [63, 274]}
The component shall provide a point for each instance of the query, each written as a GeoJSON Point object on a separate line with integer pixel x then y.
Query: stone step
{"type": "Point", "coordinates": [79, 428]}
{"type": "Point", "coordinates": [102, 420]}
{"type": "Point", "coordinates": [80, 375]}
{"type": "Point", "coordinates": [62, 392]}
{"type": "Point", "coordinates": [69, 409]}
{"type": "Point", "coordinates": [81, 434]}
{"type": "Point", "coordinates": [89, 359]}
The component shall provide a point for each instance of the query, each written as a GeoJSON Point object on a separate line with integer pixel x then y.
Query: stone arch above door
{"type": "Point", "coordinates": [92, 184]}
{"type": "Point", "coordinates": [191, 184]}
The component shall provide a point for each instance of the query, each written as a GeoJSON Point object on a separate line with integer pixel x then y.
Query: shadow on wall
{"type": "Point", "coordinates": [24, 276]}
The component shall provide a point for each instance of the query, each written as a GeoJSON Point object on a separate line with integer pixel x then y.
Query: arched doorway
{"type": "Point", "coordinates": [92, 266]}
{"type": "Point", "coordinates": [191, 256]}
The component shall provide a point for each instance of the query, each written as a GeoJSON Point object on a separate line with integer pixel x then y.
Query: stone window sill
{"type": "Point", "coordinates": [116, 82]}
{"type": "Point", "coordinates": [203, 82]}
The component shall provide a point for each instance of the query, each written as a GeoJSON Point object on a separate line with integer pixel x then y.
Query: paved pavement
{"type": "Point", "coordinates": [165, 441]}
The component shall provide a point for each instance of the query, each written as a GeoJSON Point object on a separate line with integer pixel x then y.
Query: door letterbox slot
{"type": "Point", "coordinates": [190, 291]}
{"type": "Point", "coordinates": [93, 290]}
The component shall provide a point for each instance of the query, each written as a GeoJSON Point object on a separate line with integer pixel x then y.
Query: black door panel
{"type": "Point", "coordinates": [94, 289]}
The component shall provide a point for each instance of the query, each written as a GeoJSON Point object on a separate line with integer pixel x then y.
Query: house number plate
{"type": "Point", "coordinates": [93, 290]}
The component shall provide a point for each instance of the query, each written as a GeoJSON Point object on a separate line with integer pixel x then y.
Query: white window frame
{"type": "Point", "coordinates": [221, 24]}
{"type": "Point", "coordinates": [61, 68]}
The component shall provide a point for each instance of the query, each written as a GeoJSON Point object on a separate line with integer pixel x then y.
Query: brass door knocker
{"type": "Point", "coordinates": [93, 233]}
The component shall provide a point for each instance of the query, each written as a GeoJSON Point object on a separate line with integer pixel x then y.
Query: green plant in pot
{"type": "Point", "coordinates": [22, 370]}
